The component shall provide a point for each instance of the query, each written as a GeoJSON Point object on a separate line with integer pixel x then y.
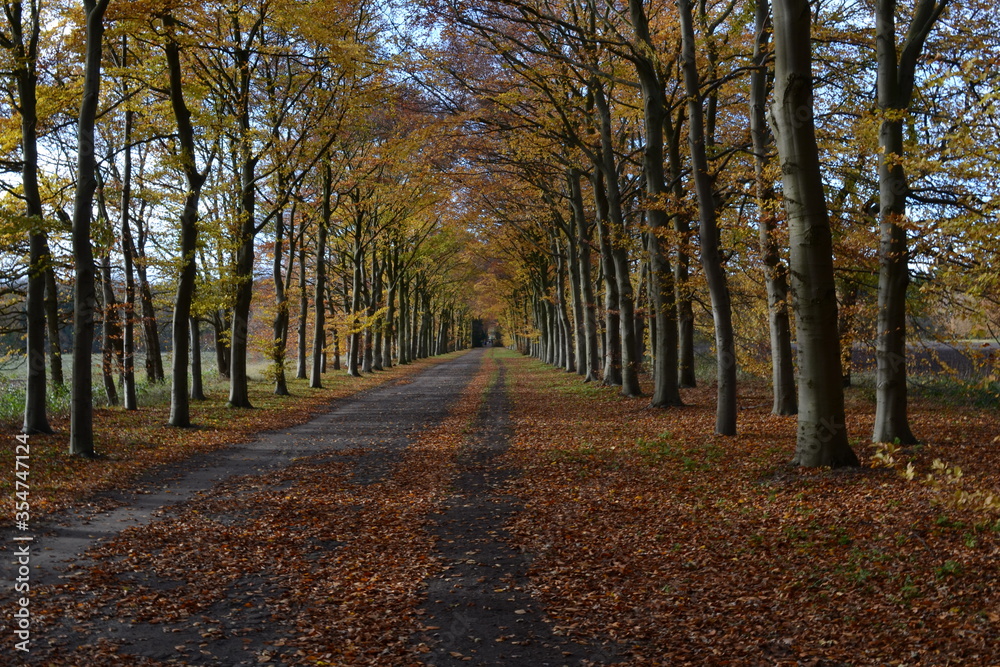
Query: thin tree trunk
{"type": "Point", "coordinates": [711, 256]}
{"type": "Point", "coordinates": [319, 298]}
{"type": "Point", "coordinates": [589, 368]}
{"type": "Point", "coordinates": [128, 256]}
{"type": "Point", "coordinates": [300, 366]}
{"type": "Point", "coordinates": [81, 439]}
{"type": "Point", "coordinates": [775, 271]}
{"type": "Point", "coordinates": [52, 320]}
{"type": "Point", "coordinates": [180, 410]}
{"type": "Point", "coordinates": [619, 252]}
{"type": "Point", "coordinates": [110, 331]}
{"type": "Point", "coordinates": [197, 384]}
{"type": "Point", "coordinates": [896, 80]}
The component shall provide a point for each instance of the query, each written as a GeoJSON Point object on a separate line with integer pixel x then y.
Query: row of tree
{"type": "Point", "coordinates": [664, 156]}
{"type": "Point", "coordinates": [197, 148]}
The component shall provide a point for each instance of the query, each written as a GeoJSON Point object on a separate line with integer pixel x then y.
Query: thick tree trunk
{"type": "Point", "coordinates": [239, 396]}
{"type": "Point", "coordinates": [711, 255]}
{"type": "Point", "coordinates": [354, 356]}
{"type": "Point", "coordinates": [81, 439]}
{"type": "Point", "coordinates": [822, 434]}
{"type": "Point", "coordinates": [389, 332]}
{"type": "Point", "coordinates": [663, 301]}
{"type": "Point", "coordinates": [576, 305]}
{"type": "Point", "coordinates": [25, 48]}
{"type": "Point", "coordinates": [775, 272]}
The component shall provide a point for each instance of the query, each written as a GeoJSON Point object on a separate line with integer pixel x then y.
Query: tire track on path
{"type": "Point", "coordinates": [481, 611]}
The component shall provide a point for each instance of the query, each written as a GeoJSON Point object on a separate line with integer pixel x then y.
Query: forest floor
{"type": "Point", "coordinates": [491, 510]}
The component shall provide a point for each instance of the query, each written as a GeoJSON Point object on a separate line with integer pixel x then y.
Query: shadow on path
{"type": "Point", "coordinates": [480, 611]}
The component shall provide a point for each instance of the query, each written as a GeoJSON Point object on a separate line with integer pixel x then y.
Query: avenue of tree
{"type": "Point", "coordinates": [614, 183]}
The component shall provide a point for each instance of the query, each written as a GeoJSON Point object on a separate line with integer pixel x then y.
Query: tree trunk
{"type": "Point", "coordinates": [81, 439]}
{"type": "Point", "coordinates": [619, 252]}
{"type": "Point", "coordinates": [300, 366]}
{"type": "Point", "coordinates": [128, 256]}
{"type": "Point", "coordinates": [52, 322]}
{"type": "Point", "coordinates": [319, 297]}
{"type": "Point", "coordinates": [612, 346]}
{"type": "Point", "coordinates": [279, 326]}
{"type": "Point", "coordinates": [390, 316]}
{"type": "Point", "coordinates": [220, 326]}
{"type": "Point", "coordinates": [150, 330]}
{"type": "Point", "coordinates": [180, 411]}
{"type": "Point", "coordinates": [25, 48]}
{"type": "Point", "coordinates": [665, 380]}
{"type": "Point", "coordinates": [197, 384]}
{"type": "Point", "coordinates": [711, 256]}
{"type": "Point", "coordinates": [110, 332]}
{"type": "Point", "coordinates": [682, 267]}
{"type": "Point", "coordinates": [590, 368]}
{"type": "Point", "coordinates": [822, 433]}
{"type": "Point", "coordinates": [896, 78]}
{"type": "Point", "coordinates": [775, 272]}
{"type": "Point", "coordinates": [354, 356]}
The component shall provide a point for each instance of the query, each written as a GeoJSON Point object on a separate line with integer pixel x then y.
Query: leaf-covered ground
{"type": "Point", "coordinates": [698, 549]}
{"type": "Point", "coordinates": [640, 532]}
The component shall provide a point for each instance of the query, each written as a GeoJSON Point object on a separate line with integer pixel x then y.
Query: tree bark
{"type": "Point", "coordinates": [619, 252]}
{"type": "Point", "coordinates": [300, 366]}
{"type": "Point", "coordinates": [682, 266]}
{"type": "Point", "coordinates": [896, 77]}
{"type": "Point", "coordinates": [319, 297]}
{"type": "Point", "coordinates": [110, 331]}
{"type": "Point", "coordinates": [180, 411]}
{"type": "Point", "coordinates": [128, 256]}
{"type": "Point", "coordinates": [52, 322]}
{"type": "Point", "coordinates": [775, 271]}
{"type": "Point", "coordinates": [25, 52]}
{"type": "Point", "coordinates": [81, 439]}
{"type": "Point", "coordinates": [197, 384]}
{"type": "Point", "coordinates": [611, 343]}
{"type": "Point", "coordinates": [281, 316]}
{"type": "Point", "coordinates": [663, 303]}
{"type": "Point", "coordinates": [711, 256]}
{"type": "Point", "coordinates": [822, 433]}
{"type": "Point", "coordinates": [589, 363]}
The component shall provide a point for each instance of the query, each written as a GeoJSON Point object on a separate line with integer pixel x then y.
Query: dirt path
{"type": "Point", "coordinates": [287, 550]}
{"type": "Point", "coordinates": [482, 606]}
{"type": "Point", "coordinates": [371, 429]}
